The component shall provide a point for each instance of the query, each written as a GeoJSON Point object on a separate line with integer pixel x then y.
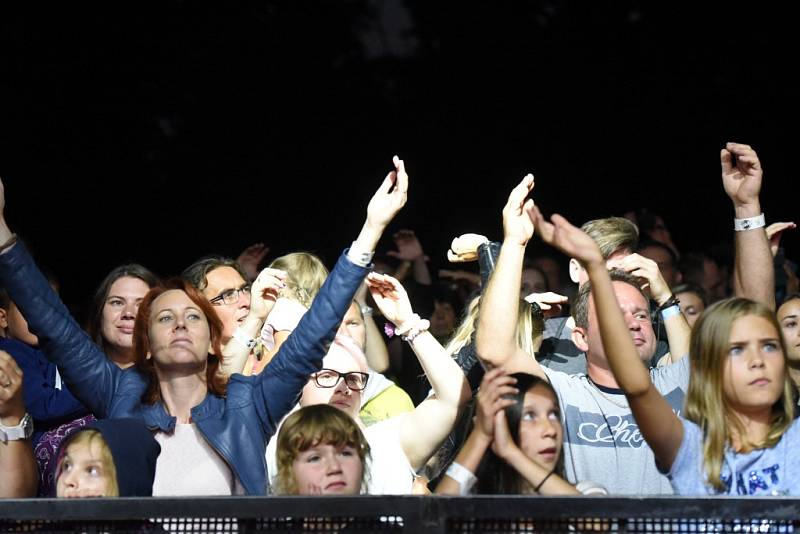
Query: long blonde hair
{"type": "Point", "coordinates": [306, 273]}
{"type": "Point", "coordinates": [706, 404]}
{"type": "Point", "coordinates": [528, 332]}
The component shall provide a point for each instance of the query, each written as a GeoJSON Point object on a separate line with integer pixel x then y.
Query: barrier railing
{"type": "Point", "coordinates": [402, 514]}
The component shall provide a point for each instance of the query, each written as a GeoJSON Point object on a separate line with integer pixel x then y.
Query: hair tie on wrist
{"type": "Point", "coordinates": [537, 488]}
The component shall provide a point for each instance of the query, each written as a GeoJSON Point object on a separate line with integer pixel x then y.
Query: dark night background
{"type": "Point", "coordinates": [161, 132]}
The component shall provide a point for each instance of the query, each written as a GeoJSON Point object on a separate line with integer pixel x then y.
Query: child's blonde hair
{"type": "Point", "coordinates": [89, 438]}
{"type": "Point", "coordinates": [706, 404]}
{"type": "Point", "coordinates": [306, 274]}
{"type": "Point", "coordinates": [308, 427]}
{"type": "Point", "coordinates": [529, 329]}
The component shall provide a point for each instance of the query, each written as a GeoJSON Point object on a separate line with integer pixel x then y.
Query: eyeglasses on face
{"type": "Point", "coordinates": [230, 296]}
{"type": "Point", "coordinates": [328, 378]}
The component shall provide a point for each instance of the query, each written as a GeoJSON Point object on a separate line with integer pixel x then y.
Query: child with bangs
{"type": "Point", "coordinates": [321, 451]}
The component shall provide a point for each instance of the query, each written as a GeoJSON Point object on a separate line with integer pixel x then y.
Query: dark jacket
{"type": "Point", "coordinates": [238, 426]}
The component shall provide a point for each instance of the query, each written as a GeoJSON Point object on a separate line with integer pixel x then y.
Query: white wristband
{"type": "Point", "coordinates": [242, 338]}
{"type": "Point", "coordinates": [673, 310]}
{"type": "Point", "coordinates": [751, 223]}
{"type": "Point", "coordinates": [465, 478]}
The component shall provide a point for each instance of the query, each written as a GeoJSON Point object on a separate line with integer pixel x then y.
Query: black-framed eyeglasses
{"type": "Point", "coordinates": [328, 378]}
{"type": "Point", "coordinates": [230, 296]}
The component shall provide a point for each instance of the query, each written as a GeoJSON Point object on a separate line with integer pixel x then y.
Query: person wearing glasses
{"type": "Point", "coordinates": [212, 428]}
{"type": "Point", "coordinates": [400, 445]}
{"type": "Point", "coordinates": [240, 306]}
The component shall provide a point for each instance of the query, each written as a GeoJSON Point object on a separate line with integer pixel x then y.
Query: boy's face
{"type": "Point", "coordinates": [82, 473]}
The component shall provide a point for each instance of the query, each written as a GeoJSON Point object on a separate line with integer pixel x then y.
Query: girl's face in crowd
{"type": "Point", "coordinates": [180, 338]}
{"type": "Point", "coordinates": [789, 319]}
{"type": "Point", "coordinates": [753, 377]}
{"type": "Point", "coordinates": [328, 470]}
{"type": "Point", "coordinates": [82, 473]}
{"type": "Point", "coordinates": [119, 311]}
{"type": "Point", "coordinates": [540, 430]}
{"type": "Point", "coordinates": [691, 305]}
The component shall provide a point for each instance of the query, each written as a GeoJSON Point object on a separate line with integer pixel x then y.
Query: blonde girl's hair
{"type": "Point", "coordinates": [706, 404]}
{"type": "Point", "coordinates": [306, 274]}
{"type": "Point", "coordinates": [88, 439]}
{"type": "Point", "coordinates": [308, 427]}
{"type": "Point", "coordinates": [528, 328]}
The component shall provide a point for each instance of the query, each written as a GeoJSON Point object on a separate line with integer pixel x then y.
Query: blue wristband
{"type": "Point", "coordinates": [673, 310]}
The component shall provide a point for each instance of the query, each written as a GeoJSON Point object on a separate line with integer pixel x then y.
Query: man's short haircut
{"type": "Point", "coordinates": [4, 300]}
{"type": "Point", "coordinates": [612, 234]}
{"type": "Point", "coordinates": [196, 273]}
{"type": "Point", "coordinates": [580, 306]}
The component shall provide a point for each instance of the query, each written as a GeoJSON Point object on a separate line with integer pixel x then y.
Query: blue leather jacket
{"type": "Point", "coordinates": [237, 426]}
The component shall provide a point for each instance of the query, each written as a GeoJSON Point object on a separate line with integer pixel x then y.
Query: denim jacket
{"type": "Point", "coordinates": [237, 426]}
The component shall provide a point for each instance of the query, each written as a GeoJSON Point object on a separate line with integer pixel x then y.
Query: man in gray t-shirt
{"type": "Point", "coordinates": [602, 443]}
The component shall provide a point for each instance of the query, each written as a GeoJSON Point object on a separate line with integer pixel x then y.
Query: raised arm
{"type": "Point", "coordinates": [376, 351]}
{"type": "Point", "coordinates": [90, 376]}
{"type": "Point", "coordinates": [658, 424]}
{"type": "Point", "coordinates": [409, 249]}
{"type": "Point", "coordinates": [18, 472]}
{"type": "Point", "coordinates": [753, 273]}
{"type": "Point", "coordinates": [279, 385]}
{"type": "Point", "coordinates": [263, 294]}
{"type": "Point", "coordinates": [496, 338]}
{"type": "Point", "coordinates": [438, 413]}
{"type": "Point", "coordinates": [678, 330]}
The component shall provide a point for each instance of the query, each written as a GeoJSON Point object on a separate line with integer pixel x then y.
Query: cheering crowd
{"type": "Point", "coordinates": [644, 371]}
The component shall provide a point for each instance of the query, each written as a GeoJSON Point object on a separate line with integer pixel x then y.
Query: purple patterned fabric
{"type": "Point", "coordinates": [47, 448]}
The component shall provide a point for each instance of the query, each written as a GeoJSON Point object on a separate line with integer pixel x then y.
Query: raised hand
{"type": "Point", "coordinates": [465, 247]}
{"type": "Point", "coordinates": [503, 444]}
{"type": "Point", "coordinates": [251, 258]}
{"type": "Point", "coordinates": [494, 385]}
{"type": "Point", "coordinates": [518, 213]}
{"type": "Point", "coordinates": [408, 246]}
{"type": "Point", "coordinates": [741, 174]}
{"type": "Point", "coordinates": [648, 270]}
{"type": "Point", "coordinates": [567, 238]}
{"type": "Point", "coordinates": [265, 290]}
{"type": "Point", "coordinates": [12, 407]}
{"type": "Point", "coordinates": [390, 197]}
{"type": "Point", "coordinates": [390, 297]}
{"type": "Point", "coordinates": [774, 233]}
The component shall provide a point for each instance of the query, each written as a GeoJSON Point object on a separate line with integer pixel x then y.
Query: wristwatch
{"type": "Point", "coordinates": [24, 430]}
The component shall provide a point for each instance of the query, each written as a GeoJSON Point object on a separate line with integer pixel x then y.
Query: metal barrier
{"type": "Point", "coordinates": [402, 514]}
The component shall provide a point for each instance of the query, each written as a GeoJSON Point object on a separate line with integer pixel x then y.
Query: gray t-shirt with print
{"type": "Point", "coordinates": [602, 441]}
{"type": "Point", "coordinates": [771, 471]}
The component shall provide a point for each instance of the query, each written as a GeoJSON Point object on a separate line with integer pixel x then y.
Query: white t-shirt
{"type": "Point", "coordinates": [188, 465]}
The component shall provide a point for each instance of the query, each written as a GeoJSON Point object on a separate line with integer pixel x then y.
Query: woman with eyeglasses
{"type": "Point", "coordinates": [400, 445]}
{"type": "Point", "coordinates": [212, 430]}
